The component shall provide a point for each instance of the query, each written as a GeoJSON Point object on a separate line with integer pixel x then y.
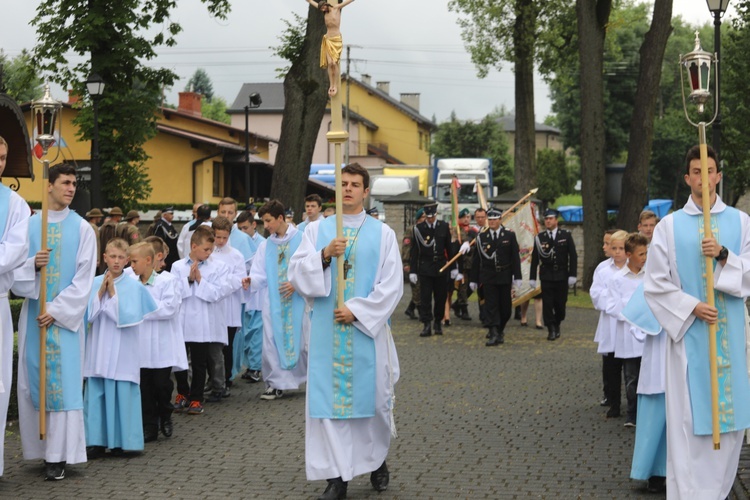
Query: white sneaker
{"type": "Point", "coordinates": [271, 394]}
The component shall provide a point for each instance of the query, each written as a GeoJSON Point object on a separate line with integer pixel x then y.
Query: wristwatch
{"type": "Point", "coordinates": [723, 253]}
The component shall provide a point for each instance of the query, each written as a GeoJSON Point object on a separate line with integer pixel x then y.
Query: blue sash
{"type": "Point", "coordinates": [342, 364]}
{"type": "Point", "coordinates": [4, 207]}
{"type": "Point", "coordinates": [64, 374]}
{"type": "Point", "coordinates": [734, 388]}
{"type": "Point", "coordinates": [242, 242]}
{"type": "Point", "coordinates": [638, 314]}
{"type": "Point", "coordinates": [134, 301]}
{"type": "Point", "coordinates": [286, 313]}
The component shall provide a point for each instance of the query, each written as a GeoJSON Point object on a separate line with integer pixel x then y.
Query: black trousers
{"type": "Point", "coordinates": [498, 304]}
{"type": "Point", "coordinates": [156, 397]}
{"type": "Point", "coordinates": [613, 369]}
{"type": "Point", "coordinates": [554, 298]}
{"type": "Point", "coordinates": [429, 287]}
{"type": "Point", "coordinates": [228, 356]}
{"type": "Point", "coordinates": [198, 352]}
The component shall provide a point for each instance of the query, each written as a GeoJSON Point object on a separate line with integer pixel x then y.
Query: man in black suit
{"type": "Point", "coordinates": [167, 232]}
{"type": "Point", "coordinates": [431, 246]}
{"type": "Point", "coordinates": [555, 255]}
{"type": "Point", "coordinates": [497, 267]}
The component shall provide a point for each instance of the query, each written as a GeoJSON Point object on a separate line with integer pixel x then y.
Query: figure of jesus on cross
{"type": "Point", "coordinates": [330, 49]}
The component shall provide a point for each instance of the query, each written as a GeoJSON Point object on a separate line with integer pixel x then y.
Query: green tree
{"type": "Point", "coordinates": [200, 83]}
{"type": "Point", "coordinates": [552, 179]}
{"type": "Point", "coordinates": [292, 40]}
{"type": "Point", "coordinates": [485, 139]}
{"type": "Point", "coordinates": [507, 30]}
{"type": "Point", "coordinates": [120, 38]}
{"type": "Point", "coordinates": [215, 109]}
{"type": "Point", "coordinates": [20, 78]}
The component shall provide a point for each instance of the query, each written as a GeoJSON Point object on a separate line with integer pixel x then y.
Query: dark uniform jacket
{"type": "Point", "coordinates": [430, 247]}
{"type": "Point", "coordinates": [556, 259]}
{"type": "Point", "coordinates": [169, 234]}
{"type": "Point", "coordinates": [496, 262]}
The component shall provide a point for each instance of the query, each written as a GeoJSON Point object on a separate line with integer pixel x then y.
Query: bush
{"type": "Point", "coordinates": [15, 311]}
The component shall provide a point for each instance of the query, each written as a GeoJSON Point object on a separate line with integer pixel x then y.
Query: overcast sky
{"type": "Point", "coordinates": [414, 44]}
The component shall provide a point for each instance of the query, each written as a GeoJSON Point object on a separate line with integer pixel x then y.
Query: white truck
{"type": "Point", "coordinates": [467, 171]}
{"type": "Point", "coordinates": [385, 186]}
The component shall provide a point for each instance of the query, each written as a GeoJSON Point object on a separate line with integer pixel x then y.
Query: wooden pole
{"type": "Point", "coordinates": [43, 309]}
{"type": "Point", "coordinates": [710, 297]}
{"type": "Point", "coordinates": [505, 214]}
{"type": "Point", "coordinates": [338, 136]}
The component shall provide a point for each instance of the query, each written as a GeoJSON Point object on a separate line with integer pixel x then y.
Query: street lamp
{"type": "Point", "coordinates": [717, 8]}
{"type": "Point", "coordinates": [95, 87]}
{"type": "Point", "coordinates": [698, 66]}
{"type": "Point", "coordinates": [254, 102]}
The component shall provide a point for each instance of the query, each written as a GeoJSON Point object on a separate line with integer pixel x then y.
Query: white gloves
{"type": "Point", "coordinates": [518, 283]}
{"type": "Point", "coordinates": [459, 277]}
{"type": "Point", "coordinates": [413, 278]}
{"type": "Point", "coordinates": [572, 280]}
{"type": "Point", "coordinates": [473, 287]}
{"type": "Point", "coordinates": [532, 283]}
{"type": "Point", "coordinates": [465, 247]}
{"type": "Point", "coordinates": [454, 273]}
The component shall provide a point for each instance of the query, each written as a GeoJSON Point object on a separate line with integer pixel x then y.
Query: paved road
{"type": "Point", "coordinates": [515, 421]}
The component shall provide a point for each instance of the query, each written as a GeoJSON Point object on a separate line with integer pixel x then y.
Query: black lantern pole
{"type": "Point", "coordinates": [717, 8]}
{"type": "Point", "coordinates": [254, 102]}
{"type": "Point", "coordinates": [95, 87]}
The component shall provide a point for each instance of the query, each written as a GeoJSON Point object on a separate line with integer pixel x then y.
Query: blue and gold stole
{"type": "Point", "coordinates": [342, 363]}
{"type": "Point", "coordinates": [286, 313]}
{"type": "Point", "coordinates": [734, 406]}
{"type": "Point", "coordinates": [63, 360]}
{"type": "Point", "coordinates": [4, 207]}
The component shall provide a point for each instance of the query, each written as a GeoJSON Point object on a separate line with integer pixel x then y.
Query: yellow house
{"type": "Point", "coordinates": [383, 130]}
{"type": "Point", "coordinates": [192, 159]}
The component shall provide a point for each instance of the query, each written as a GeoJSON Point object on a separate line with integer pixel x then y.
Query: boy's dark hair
{"type": "Point", "coordinates": [245, 217]}
{"type": "Point", "coordinates": [694, 153]}
{"type": "Point", "coordinates": [60, 169]}
{"type": "Point", "coordinates": [221, 224]}
{"type": "Point", "coordinates": [316, 198]}
{"type": "Point", "coordinates": [611, 231]}
{"type": "Point", "coordinates": [202, 214]}
{"type": "Point", "coordinates": [201, 235]}
{"type": "Point", "coordinates": [635, 240]}
{"type": "Point", "coordinates": [357, 169]}
{"type": "Point", "coordinates": [274, 208]}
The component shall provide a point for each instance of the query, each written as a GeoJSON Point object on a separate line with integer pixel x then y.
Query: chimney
{"type": "Point", "coordinates": [73, 97]}
{"type": "Point", "coordinates": [190, 103]}
{"type": "Point", "coordinates": [384, 87]}
{"type": "Point", "coordinates": [411, 100]}
{"type": "Point", "coordinates": [366, 79]}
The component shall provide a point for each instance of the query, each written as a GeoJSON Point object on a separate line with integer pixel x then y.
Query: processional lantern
{"type": "Point", "coordinates": [45, 113]}
{"type": "Point", "coordinates": [697, 64]}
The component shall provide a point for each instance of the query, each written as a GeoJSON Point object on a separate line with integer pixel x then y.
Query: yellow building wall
{"type": "Point", "coordinates": [395, 128]}
{"type": "Point", "coordinates": [170, 166]}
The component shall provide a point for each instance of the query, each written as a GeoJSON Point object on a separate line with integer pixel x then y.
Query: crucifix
{"type": "Point", "coordinates": [347, 266]}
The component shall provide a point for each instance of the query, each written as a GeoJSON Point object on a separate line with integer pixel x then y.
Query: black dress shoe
{"type": "Point", "coordinates": [439, 327]}
{"type": "Point", "coordinates": [557, 330]}
{"type": "Point", "coordinates": [494, 337]}
{"type": "Point", "coordinates": [149, 437]}
{"type": "Point", "coordinates": [380, 478]}
{"type": "Point", "coordinates": [539, 327]}
{"type": "Point", "coordinates": [551, 333]}
{"type": "Point", "coordinates": [336, 490]}
{"type": "Point", "coordinates": [426, 331]}
{"type": "Point", "coordinates": [94, 452]}
{"type": "Point", "coordinates": [657, 484]}
{"type": "Point", "coordinates": [54, 471]}
{"type": "Point", "coordinates": [524, 323]}
{"type": "Point", "coordinates": [167, 427]}
{"type": "Point", "coordinates": [410, 312]}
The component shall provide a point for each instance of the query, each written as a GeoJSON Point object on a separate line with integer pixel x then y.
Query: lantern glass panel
{"type": "Point", "coordinates": [705, 74]}
{"type": "Point", "coordinates": [694, 81]}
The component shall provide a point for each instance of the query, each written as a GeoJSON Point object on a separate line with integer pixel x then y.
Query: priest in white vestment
{"type": "Point", "coordinates": [674, 289]}
{"type": "Point", "coordinates": [352, 363]}
{"type": "Point", "coordinates": [14, 248]}
{"type": "Point", "coordinates": [71, 265]}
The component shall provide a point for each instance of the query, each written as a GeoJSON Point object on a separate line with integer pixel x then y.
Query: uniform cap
{"type": "Point", "coordinates": [373, 211]}
{"type": "Point", "coordinates": [116, 211]}
{"type": "Point", "coordinates": [94, 212]}
{"type": "Point", "coordinates": [419, 213]}
{"type": "Point", "coordinates": [430, 210]}
{"type": "Point", "coordinates": [494, 213]}
{"type": "Point", "coordinates": [551, 212]}
{"type": "Point", "coordinates": [167, 210]}
{"type": "Point", "coordinates": [464, 212]}
{"type": "Point", "coordinates": [133, 214]}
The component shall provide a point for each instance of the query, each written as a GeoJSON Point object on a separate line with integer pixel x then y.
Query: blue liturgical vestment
{"type": "Point", "coordinates": [63, 349]}
{"type": "Point", "coordinates": [342, 358]}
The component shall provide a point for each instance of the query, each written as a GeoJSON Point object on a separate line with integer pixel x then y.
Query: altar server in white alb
{"type": "Point", "coordinates": [674, 288]}
{"type": "Point", "coordinates": [71, 264]}
{"type": "Point", "coordinates": [14, 248]}
{"type": "Point", "coordinates": [286, 320]}
{"type": "Point", "coordinates": [162, 347]}
{"type": "Point", "coordinates": [352, 361]}
{"type": "Point", "coordinates": [112, 399]}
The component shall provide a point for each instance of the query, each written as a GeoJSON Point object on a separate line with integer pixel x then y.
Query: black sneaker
{"type": "Point", "coordinates": [54, 471]}
{"type": "Point", "coordinates": [215, 397]}
{"type": "Point", "coordinates": [270, 394]}
{"type": "Point", "coordinates": [225, 393]}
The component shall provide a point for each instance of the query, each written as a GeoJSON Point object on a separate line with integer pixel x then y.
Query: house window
{"type": "Point", "coordinates": [421, 139]}
{"type": "Point", "coordinates": [217, 180]}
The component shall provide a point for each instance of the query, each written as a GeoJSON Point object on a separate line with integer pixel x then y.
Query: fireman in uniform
{"type": "Point", "coordinates": [406, 261]}
{"type": "Point", "coordinates": [431, 248]}
{"type": "Point", "coordinates": [555, 256]}
{"type": "Point", "coordinates": [496, 267]}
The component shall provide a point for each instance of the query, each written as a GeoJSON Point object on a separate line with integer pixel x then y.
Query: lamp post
{"type": "Point", "coordinates": [717, 8]}
{"type": "Point", "coordinates": [254, 102]}
{"type": "Point", "coordinates": [95, 87]}
{"type": "Point", "coordinates": [698, 67]}
{"type": "Point", "coordinates": [45, 113]}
